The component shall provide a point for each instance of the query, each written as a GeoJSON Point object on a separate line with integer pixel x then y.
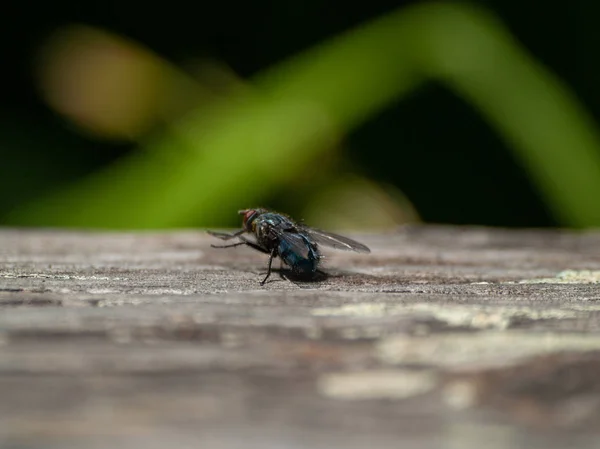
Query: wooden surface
{"type": "Point", "coordinates": [441, 338]}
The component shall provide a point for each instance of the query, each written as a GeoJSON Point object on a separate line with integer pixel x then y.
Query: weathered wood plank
{"type": "Point", "coordinates": [442, 337]}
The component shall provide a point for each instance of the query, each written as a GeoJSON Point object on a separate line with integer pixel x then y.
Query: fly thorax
{"type": "Point", "coordinates": [264, 237]}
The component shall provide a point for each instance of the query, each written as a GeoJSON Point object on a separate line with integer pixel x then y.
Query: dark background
{"type": "Point", "coordinates": [453, 169]}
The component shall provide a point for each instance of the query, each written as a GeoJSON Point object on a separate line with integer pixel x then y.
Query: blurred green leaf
{"type": "Point", "coordinates": [214, 162]}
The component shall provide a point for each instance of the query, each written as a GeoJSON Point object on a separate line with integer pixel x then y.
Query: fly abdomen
{"type": "Point", "coordinates": [304, 262]}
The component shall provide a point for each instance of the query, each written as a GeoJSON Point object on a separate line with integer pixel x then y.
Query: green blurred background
{"type": "Point", "coordinates": [130, 115]}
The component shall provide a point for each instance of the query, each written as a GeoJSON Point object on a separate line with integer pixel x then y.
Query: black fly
{"type": "Point", "coordinates": [279, 236]}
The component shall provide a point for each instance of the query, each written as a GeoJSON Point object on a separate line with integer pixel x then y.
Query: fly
{"type": "Point", "coordinates": [279, 236]}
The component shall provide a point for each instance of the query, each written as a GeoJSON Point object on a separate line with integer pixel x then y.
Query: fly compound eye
{"type": "Point", "coordinates": [248, 216]}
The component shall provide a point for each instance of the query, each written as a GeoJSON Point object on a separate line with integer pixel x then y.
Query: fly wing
{"type": "Point", "coordinates": [335, 240]}
{"type": "Point", "coordinates": [295, 242]}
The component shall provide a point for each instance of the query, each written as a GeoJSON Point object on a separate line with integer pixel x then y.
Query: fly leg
{"type": "Point", "coordinates": [244, 241]}
{"type": "Point", "coordinates": [273, 254]}
{"type": "Point", "coordinates": [254, 246]}
{"type": "Point", "coordinates": [233, 245]}
{"type": "Point", "coordinates": [225, 236]}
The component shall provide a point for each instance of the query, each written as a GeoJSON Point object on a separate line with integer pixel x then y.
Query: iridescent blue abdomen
{"type": "Point", "coordinates": [301, 262]}
{"type": "Point", "coordinates": [295, 248]}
